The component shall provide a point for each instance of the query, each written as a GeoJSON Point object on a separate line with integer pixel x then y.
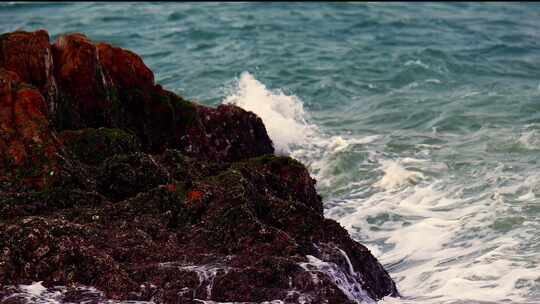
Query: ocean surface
{"type": "Point", "coordinates": [420, 122]}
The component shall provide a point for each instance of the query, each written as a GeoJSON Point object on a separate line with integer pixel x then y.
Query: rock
{"type": "Point", "coordinates": [93, 146]}
{"type": "Point", "coordinates": [29, 55]}
{"type": "Point", "coordinates": [91, 87]}
{"type": "Point", "coordinates": [224, 134]}
{"type": "Point", "coordinates": [85, 100]}
{"type": "Point", "coordinates": [244, 231]}
{"type": "Point", "coordinates": [227, 133]}
{"type": "Point", "coordinates": [27, 146]}
{"type": "Point", "coordinates": [138, 194]}
{"type": "Point", "coordinates": [126, 69]}
{"type": "Point", "coordinates": [123, 176]}
{"type": "Point", "coordinates": [115, 89]}
{"type": "Point", "coordinates": [55, 251]}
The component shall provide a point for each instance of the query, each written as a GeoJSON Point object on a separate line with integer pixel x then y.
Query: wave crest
{"type": "Point", "coordinates": [283, 115]}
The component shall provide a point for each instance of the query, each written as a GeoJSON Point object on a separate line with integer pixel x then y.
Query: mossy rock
{"type": "Point", "coordinates": [37, 171]}
{"type": "Point", "coordinates": [125, 175]}
{"type": "Point", "coordinates": [93, 146]}
{"type": "Point", "coordinates": [187, 169]}
{"type": "Point", "coordinates": [184, 109]}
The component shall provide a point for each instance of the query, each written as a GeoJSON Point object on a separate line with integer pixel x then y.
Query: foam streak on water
{"type": "Point", "coordinates": [36, 293]}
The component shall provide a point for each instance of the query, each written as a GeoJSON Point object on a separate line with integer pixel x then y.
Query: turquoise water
{"type": "Point", "coordinates": [421, 122]}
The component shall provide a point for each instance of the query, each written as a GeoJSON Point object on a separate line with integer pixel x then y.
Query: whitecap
{"type": "Point", "coordinates": [430, 225]}
{"type": "Point", "coordinates": [417, 62]}
{"type": "Point", "coordinates": [395, 175]}
{"type": "Point", "coordinates": [283, 115]}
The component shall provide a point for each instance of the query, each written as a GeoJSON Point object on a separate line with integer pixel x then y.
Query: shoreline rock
{"type": "Point", "coordinates": [109, 181]}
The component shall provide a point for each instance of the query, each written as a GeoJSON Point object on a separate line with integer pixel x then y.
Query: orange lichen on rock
{"type": "Point", "coordinates": [27, 147]}
{"type": "Point", "coordinates": [85, 88]}
{"type": "Point", "coordinates": [194, 196]}
{"type": "Point", "coordinates": [28, 54]}
{"type": "Point", "coordinates": [126, 68]}
{"type": "Point", "coordinates": [91, 86]}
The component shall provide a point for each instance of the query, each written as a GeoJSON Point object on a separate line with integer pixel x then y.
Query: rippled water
{"type": "Point", "coordinates": [421, 122]}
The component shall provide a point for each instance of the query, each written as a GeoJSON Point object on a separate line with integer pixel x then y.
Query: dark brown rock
{"type": "Point", "coordinates": [246, 231]}
{"type": "Point", "coordinates": [93, 146]}
{"type": "Point", "coordinates": [123, 176]}
{"type": "Point", "coordinates": [114, 88]}
{"type": "Point", "coordinates": [227, 133]}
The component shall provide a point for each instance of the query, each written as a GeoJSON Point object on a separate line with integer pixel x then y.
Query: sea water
{"type": "Point", "coordinates": [420, 122]}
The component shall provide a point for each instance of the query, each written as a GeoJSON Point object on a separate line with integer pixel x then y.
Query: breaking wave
{"type": "Point", "coordinates": [447, 232]}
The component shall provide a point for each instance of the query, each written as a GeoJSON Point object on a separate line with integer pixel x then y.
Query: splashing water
{"type": "Point", "coordinates": [36, 293]}
{"type": "Point", "coordinates": [288, 127]}
{"type": "Point", "coordinates": [349, 282]}
{"type": "Point", "coordinates": [205, 273]}
{"type": "Point", "coordinates": [395, 176]}
{"type": "Point", "coordinates": [445, 235]}
{"type": "Point", "coordinates": [285, 114]}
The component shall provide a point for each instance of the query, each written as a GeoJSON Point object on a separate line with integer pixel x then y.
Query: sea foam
{"type": "Point", "coordinates": [289, 127]}
{"type": "Point", "coordinates": [283, 115]}
{"type": "Point", "coordinates": [443, 238]}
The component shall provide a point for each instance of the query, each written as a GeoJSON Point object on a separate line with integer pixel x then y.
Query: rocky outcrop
{"type": "Point", "coordinates": [116, 184]}
{"type": "Point", "coordinates": [106, 86]}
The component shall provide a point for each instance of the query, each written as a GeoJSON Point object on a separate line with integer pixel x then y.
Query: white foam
{"type": "Point", "coordinates": [283, 115]}
{"type": "Point", "coordinates": [288, 126]}
{"type": "Point", "coordinates": [205, 273]}
{"type": "Point", "coordinates": [529, 140]}
{"type": "Point", "coordinates": [339, 143]}
{"type": "Point", "coordinates": [36, 293]}
{"type": "Point", "coordinates": [348, 282]}
{"type": "Point", "coordinates": [444, 230]}
{"type": "Point", "coordinates": [446, 253]}
{"type": "Point", "coordinates": [417, 62]}
{"type": "Point", "coordinates": [35, 289]}
{"type": "Point", "coordinates": [396, 176]}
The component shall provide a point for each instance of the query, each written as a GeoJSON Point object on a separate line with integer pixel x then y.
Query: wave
{"type": "Point", "coordinates": [445, 232]}
{"type": "Point", "coordinates": [287, 124]}
{"type": "Point", "coordinates": [283, 115]}
{"type": "Point", "coordinates": [395, 175]}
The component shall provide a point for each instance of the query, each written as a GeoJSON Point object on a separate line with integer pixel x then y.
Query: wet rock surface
{"type": "Point", "coordinates": [153, 197]}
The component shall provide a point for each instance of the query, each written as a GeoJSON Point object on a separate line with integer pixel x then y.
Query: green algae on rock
{"type": "Point", "coordinates": [93, 146]}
